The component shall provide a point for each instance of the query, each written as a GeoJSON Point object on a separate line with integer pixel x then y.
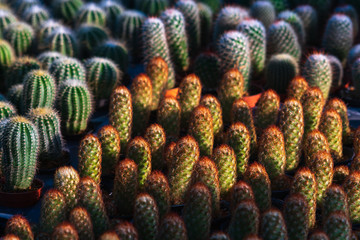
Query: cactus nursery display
{"type": "Point", "coordinates": [179, 119]}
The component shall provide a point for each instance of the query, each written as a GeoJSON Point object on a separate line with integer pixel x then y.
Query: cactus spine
{"type": "Point", "coordinates": [158, 71]}
{"type": "Point", "coordinates": [110, 148]}
{"type": "Point", "coordinates": [168, 116]}
{"type": "Point", "coordinates": [273, 225]}
{"type": "Point", "coordinates": [62, 40]}
{"type": "Point", "coordinates": [115, 51]}
{"type": "Point", "coordinates": [19, 226]}
{"type": "Point", "coordinates": [241, 192]}
{"type": "Point", "coordinates": [313, 103]}
{"type": "Point", "coordinates": [296, 23]}
{"type": "Point", "coordinates": [7, 110]}
{"type": "Point", "coordinates": [19, 69]}
{"type": "Point", "coordinates": [36, 15]}
{"type": "Point", "coordinates": [340, 174]}
{"type": "Point", "coordinates": [109, 235]}
{"type": "Point", "coordinates": [334, 199]}
{"type": "Point", "coordinates": [67, 9]}
{"type": "Point", "coordinates": [20, 35]}
{"type": "Point", "coordinates": [296, 88]}
{"type": "Point", "coordinates": [90, 37]}
{"type": "Point", "coordinates": [351, 187]}
{"type": "Point", "coordinates": [91, 13]}
{"type": "Point", "coordinates": [52, 210]}
{"type": "Point", "coordinates": [126, 230]}
{"type": "Point", "coordinates": [264, 11]}
{"type": "Point", "coordinates": [81, 221]}
{"type": "Point", "coordinates": [155, 136]}
{"type": "Point", "coordinates": [266, 113]}
{"type": "Point", "coordinates": [64, 231]}
{"type": "Point", "coordinates": [6, 18]}
{"type": "Point", "coordinates": [7, 57]}
{"type": "Point", "coordinates": [66, 180]}
{"type": "Point", "coordinates": [337, 226]}
{"type": "Point", "coordinates": [14, 95]}
{"type": "Point", "coordinates": [213, 104]}
{"type": "Point", "coordinates": [67, 68]}
{"type": "Point", "coordinates": [172, 228]}
{"type": "Point", "coordinates": [47, 58]}
{"type": "Point", "coordinates": [151, 7]}
{"type": "Point", "coordinates": [112, 10]}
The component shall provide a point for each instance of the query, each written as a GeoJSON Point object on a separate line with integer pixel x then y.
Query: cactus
{"type": "Point", "coordinates": [89, 37]}
{"type": "Point", "coordinates": [67, 68]}
{"type": "Point", "coordinates": [155, 136]}
{"type": "Point", "coordinates": [234, 52]}
{"type": "Point", "coordinates": [14, 95]}
{"type": "Point", "coordinates": [19, 69]}
{"type": "Point", "coordinates": [355, 163]}
{"type": "Point", "coordinates": [350, 11]}
{"type": "Point", "coordinates": [53, 210]}
{"type": "Point", "coordinates": [10, 237]}
{"type": "Point", "coordinates": [115, 51]}
{"type": "Point", "coordinates": [110, 148]}
{"type": "Point", "coordinates": [19, 226]}
{"type": "Point", "coordinates": [109, 235]}
{"type": "Point", "coordinates": [81, 221]}
{"type": "Point", "coordinates": [112, 10]}
{"type": "Point", "coordinates": [47, 58]}
{"type": "Point", "coordinates": [257, 177]}
{"type": "Point", "coordinates": [304, 183]}
{"type": "Point", "coordinates": [292, 126]}
{"type": "Point", "coordinates": [337, 226]}
{"type": "Point", "coordinates": [351, 186]}
{"type": "Point", "coordinates": [334, 200]}
{"type": "Point", "coordinates": [157, 70]}
{"type": "Point", "coordinates": [7, 110]}
{"type": "Point", "coordinates": [337, 71]}
{"type": "Point", "coordinates": [207, 67]}
{"type": "Point", "coordinates": [158, 187]}
{"type": "Point", "coordinates": [296, 23]}
{"type": "Point", "coordinates": [264, 11]}
{"type": "Point", "coordinates": [146, 216]}
{"type": "Point", "coordinates": [296, 88]}
{"type": "Point", "coordinates": [296, 213]}
{"type": "Point", "coordinates": [64, 231]}
{"type": "Point", "coordinates": [185, 155]}
{"type": "Point", "coordinates": [313, 103]}
{"type": "Point", "coordinates": [169, 153]}
{"type": "Point", "coordinates": [318, 235]}
{"type": "Point", "coordinates": [7, 57]}
{"type": "Point", "coordinates": [340, 174]}
{"type": "Point", "coordinates": [45, 30]}
{"type": "Point", "coordinates": [241, 192]}
{"type": "Point", "coordinates": [309, 18]}
{"type": "Point", "coordinates": [126, 230]}
{"type": "Point", "coordinates": [172, 228]}
{"type": "Point", "coordinates": [125, 186]}
{"type": "Point", "coordinates": [338, 36]}
{"type": "Point", "coordinates": [6, 18]}
{"type": "Point", "coordinates": [273, 225]}
{"type": "Point", "coordinates": [266, 111]}
{"type": "Point", "coordinates": [168, 116]}
{"type": "Point", "coordinates": [36, 15]}
{"type": "Point", "coordinates": [67, 9]}
{"type": "Point", "coordinates": [252, 237]}
{"type": "Point", "coordinates": [20, 35]}
{"type": "Point", "coordinates": [20, 151]}
{"type": "Point", "coordinates": [66, 180]}
{"type": "Point", "coordinates": [91, 13]}
{"type": "Point", "coordinates": [281, 38]}
{"type": "Point", "coordinates": [62, 40]}
{"type": "Point", "coordinates": [151, 7]}
{"type": "Point", "coordinates": [213, 104]}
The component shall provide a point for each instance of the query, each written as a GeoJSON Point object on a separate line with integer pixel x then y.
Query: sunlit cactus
{"type": "Point", "coordinates": [19, 226]}
{"type": "Point", "coordinates": [157, 70]}
{"type": "Point", "coordinates": [156, 137]}
{"type": "Point", "coordinates": [168, 116]}
{"type": "Point", "coordinates": [65, 68]}
{"type": "Point", "coordinates": [91, 13]}
{"type": "Point", "coordinates": [266, 111]}
{"type": "Point", "coordinates": [7, 110]}
{"type": "Point", "coordinates": [36, 15]}
{"type": "Point", "coordinates": [53, 210]}
{"type": "Point", "coordinates": [214, 106]}
{"type": "Point", "coordinates": [80, 219]}
{"type": "Point", "coordinates": [110, 148]}
{"type": "Point", "coordinates": [20, 35]}
{"type": "Point", "coordinates": [313, 103]}
{"type": "Point", "coordinates": [66, 180]}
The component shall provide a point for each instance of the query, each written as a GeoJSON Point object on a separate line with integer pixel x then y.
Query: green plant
{"type": "Point", "coordinates": [351, 186]}
{"type": "Point", "coordinates": [264, 11]}
{"type": "Point", "coordinates": [66, 180]}
{"type": "Point", "coordinates": [45, 30]}
{"type": "Point", "coordinates": [66, 9]}
{"type": "Point", "coordinates": [157, 70]}
{"type": "Point", "coordinates": [64, 231]}
{"type": "Point", "coordinates": [273, 225]}
{"type": "Point", "coordinates": [6, 18]}
{"type": "Point", "coordinates": [17, 71]}
{"type": "Point", "coordinates": [126, 230]}
{"type": "Point", "coordinates": [66, 68]}
{"type": "Point", "coordinates": [7, 57]}
{"type": "Point", "coordinates": [19, 226]}
{"type": "Point", "coordinates": [214, 106]}
{"type": "Point", "coordinates": [36, 15]}
{"type": "Point", "coordinates": [338, 226]}
{"type": "Point", "coordinates": [168, 116]}
{"type": "Point", "coordinates": [53, 210]}
{"type": "Point", "coordinates": [337, 71]}
{"type": "Point", "coordinates": [110, 148]}
{"type": "Point", "coordinates": [115, 51]}
{"type": "Point", "coordinates": [7, 110]}
{"type": "Point", "coordinates": [313, 103]}
{"type": "Point", "coordinates": [91, 13]}
{"type": "Point", "coordinates": [241, 192]}
{"type": "Point", "coordinates": [80, 219]}
{"type": "Point", "coordinates": [155, 136]}
{"type": "Point", "coordinates": [296, 23]}
{"type": "Point", "coordinates": [112, 10]}
{"type": "Point", "coordinates": [47, 58]}
{"type": "Point", "coordinates": [151, 7]}
{"type": "Point", "coordinates": [172, 228]}
{"type": "Point", "coordinates": [296, 88]}
{"type": "Point", "coordinates": [309, 17]}
{"type": "Point", "coordinates": [206, 23]}
{"type": "Point", "coordinates": [62, 40]}
{"type": "Point", "coordinates": [20, 35]}
{"type": "Point", "coordinates": [207, 67]}
{"type": "Point", "coordinates": [334, 200]}
{"type": "Point", "coordinates": [90, 37]}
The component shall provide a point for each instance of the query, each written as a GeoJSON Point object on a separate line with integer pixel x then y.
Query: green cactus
{"type": "Point", "coordinates": [309, 18]}
{"type": "Point", "coordinates": [185, 155]}
{"type": "Point", "coordinates": [62, 40]}
{"type": "Point", "coordinates": [53, 210]}
{"type": "Point", "coordinates": [168, 116]}
{"type": "Point", "coordinates": [296, 23]}
{"type": "Point", "coordinates": [115, 51]}
{"type": "Point", "coordinates": [264, 11]}
{"type": "Point", "coordinates": [151, 7]}
{"type": "Point", "coordinates": [64, 231]}
{"type": "Point", "coordinates": [157, 70]}
{"type": "Point", "coordinates": [19, 69]}
{"type": "Point", "coordinates": [318, 235]}
{"type": "Point", "coordinates": [126, 230]}
{"type": "Point", "coordinates": [90, 37]}
{"type": "Point", "coordinates": [234, 52]}
{"type": "Point", "coordinates": [45, 30]}
{"type": "Point", "coordinates": [273, 225]}
{"type": "Point", "coordinates": [257, 177]}
{"type": "Point", "coordinates": [266, 111]}
{"type": "Point", "coordinates": [292, 126]}
{"type": "Point", "coordinates": [91, 13]}
{"type": "Point", "coordinates": [110, 148]}
{"type": "Point", "coordinates": [36, 15]}
{"type": "Point", "coordinates": [340, 174]}
{"type": "Point", "coordinates": [7, 57]}
{"type": "Point", "coordinates": [155, 136]}
{"type": "Point", "coordinates": [338, 226]}
{"type": "Point", "coordinates": [280, 70]}
{"type": "Point", "coordinates": [14, 95]}
{"type": "Point", "coordinates": [213, 104]}
{"type": "Point", "coordinates": [351, 186]}
{"type": "Point", "coordinates": [20, 151]}
{"type": "Point", "coordinates": [7, 110]}
{"type": "Point", "coordinates": [80, 219]}
{"type": "Point", "coordinates": [296, 88]}
{"type": "Point", "coordinates": [47, 58]}
{"type": "Point", "coordinates": [6, 18]}
{"type": "Point", "coordinates": [334, 200]}
{"type": "Point", "coordinates": [112, 10]}
{"type": "Point", "coordinates": [20, 227]}
{"type": "Point", "coordinates": [66, 180]}
{"type": "Point", "coordinates": [90, 197]}
{"type": "Point", "coordinates": [207, 67]}
{"type": "Point", "coordinates": [281, 38]}
{"type": "Point", "coordinates": [21, 5]}
{"type": "Point", "coordinates": [67, 68]}
{"type": "Point", "coordinates": [20, 35]}
{"type": "Point", "coordinates": [172, 228]}
{"type": "Point", "coordinates": [146, 216]}
{"type": "Point", "coordinates": [206, 23]}
{"type": "Point", "coordinates": [241, 192]}
{"type": "Point", "coordinates": [313, 103]}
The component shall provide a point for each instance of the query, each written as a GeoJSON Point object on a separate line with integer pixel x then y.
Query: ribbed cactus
{"type": "Point", "coordinates": [110, 148]}
{"type": "Point", "coordinates": [80, 219]}
{"type": "Point", "coordinates": [53, 210]}
{"type": "Point", "coordinates": [7, 57]}
{"type": "Point", "coordinates": [90, 197]}
{"type": "Point", "coordinates": [19, 226]}
{"type": "Point", "coordinates": [338, 36]}
{"type": "Point", "coordinates": [155, 136]}
{"type": "Point", "coordinates": [6, 18]}
{"type": "Point", "coordinates": [14, 95]}
{"type": "Point", "coordinates": [20, 151]}
{"type": "Point", "coordinates": [146, 216]}
{"type": "Point", "coordinates": [309, 18]}
{"type": "Point", "coordinates": [304, 183]}
{"type": "Point", "coordinates": [337, 71]}
{"type": "Point", "coordinates": [115, 51]}
{"type": "Point", "coordinates": [66, 68]}
{"type": "Point", "coordinates": [341, 172]}
{"type": "Point", "coordinates": [273, 225]}
{"type": "Point", "coordinates": [296, 213]}
{"type": "Point", "coordinates": [206, 23]}
{"type": "Point", "coordinates": [351, 187]}
{"type": "Point", "coordinates": [20, 35]}
{"type": "Point", "coordinates": [45, 30]}
{"type": "Point", "coordinates": [47, 58]}
{"type": "Point", "coordinates": [246, 214]}
{"type": "Point", "coordinates": [233, 49]}
{"type": "Point", "coordinates": [91, 13]}
{"type": "Point", "coordinates": [157, 70]}
{"type": "Point", "coordinates": [21, 5]}
{"type": "Point", "coordinates": [296, 88]}
{"type": "Point", "coordinates": [281, 38]}
{"type": "Point", "coordinates": [313, 103]}
{"type": "Point", "coordinates": [75, 105]}
{"type": "Point", "coordinates": [19, 69]}
{"type": "Point", "coordinates": [62, 40]}
{"type": "Point", "coordinates": [67, 9]}
{"type": "Point", "coordinates": [168, 116]}
{"type": "Point", "coordinates": [213, 104]}
{"type": "Point", "coordinates": [266, 111]}
{"type": "Point", "coordinates": [66, 180]}
{"type": "Point", "coordinates": [109, 235]}
{"type": "Point", "coordinates": [257, 177]}
{"type": "Point", "coordinates": [241, 192]}
{"type": "Point", "coordinates": [112, 10]}
{"type": "Point", "coordinates": [151, 7]}
{"type": "Point", "coordinates": [125, 186]}
{"type": "Point", "coordinates": [155, 45]}
{"type": "Point", "coordinates": [264, 11]}
{"type": "Point", "coordinates": [36, 15]}
{"type": "Point", "coordinates": [126, 230]}
{"type": "Point", "coordinates": [7, 110]}
{"type": "Point", "coordinates": [334, 199]}
{"type": "Point", "coordinates": [172, 228]}
{"type": "Point", "coordinates": [64, 231]}
{"type": "Point", "coordinates": [337, 226]}
{"type": "Point", "coordinates": [296, 23]}
{"type": "Point", "coordinates": [207, 67]}
{"type": "Point", "coordinates": [185, 155]}
{"type": "Point", "coordinates": [90, 37]}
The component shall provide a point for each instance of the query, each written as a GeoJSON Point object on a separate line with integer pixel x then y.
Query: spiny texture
{"type": "Point", "coordinates": [45, 30]}
{"type": "Point", "coordinates": [313, 103]}
{"type": "Point", "coordinates": [91, 13]}
{"type": "Point", "coordinates": [47, 58]}
{"type": "Point", "coordinates": [172, 228]}
{"type": "Point", "coordinates": [36, 15]}
{"type": "Point", "coordinates": [338, 36]}
{"type": "Point", "coordinates": [89, 37]}
{"type": "Point", "coordinates": [185, 155]}
{"type": "Point", "coordinates": [331, 127]}
{"type": "Point", "coordinates": [230, 89]}
{"type": "Point", "coordinates": [341, 172]}
{"type": "Point", "coordinates": [80, 219]}
{"type": "Point", "coordinates": [17, 71]}
{"type": "Point", "coordinates": [115, 51]}
{"type": "Point", "coordinates": [296, 23]}
{"type": "Point", "coordinates": [126, 230]}
{"type": "Point", "coordinates": [6, 18]}
{"type": "Point", "coordinates": [334, 199]}
{"type": "Point", "coordinates": [296, 88]}
{"type": "Point", "coordinates": [264, 11]}
{"type": "Point", "coordinates": [146, 216]}
{"type": "Point", "coordinates": [241, 192]}
{"type": "Point", "coordinates": [20, 35]}
{"type": "Point", "coordinates": [304, 183]}
{"type": "Point", "coordinates": [53, 210]}
{"type": "Point", "coordinates": [189, 97]}
{"type": "Point", "coordinates": [355, 163]}
{"type": "Point", "coordinates": [10, 237]}
{"type": "Point", "coordinates": [67, 9]}
{"type": "Point", "coordinates": [309, 18]}
{"type": "Point", "coordinates": [168, 116]}
{"type": "Point", "coordinates": [62, 40]}
{"type": "Point", "coordinates": [158, 71]}
{"type": "Point", "coordinates": [197, 212]}
{"type": "Point", "coordinates": [206, 22]}
{"type": "Point", "coordinates": [225, 160]}
{"type": "Point", "coordinates": [169, 153]}
{"type": "Point", "coordinates": [155, 136]}
{"type": "Point", "coordinates": [121, 114]}
{"type": "Point", "coordinates": [356, 141]}
{"type": "Point", "coordinates": [255, 31]}
{"type": "Point", "coordinates": [317, 72]}
{"type": "Point", "coordinates": [110, 148]}
{"type": "Point", "coordinates": [19, 226]}
{"type": "Point", "coordinates": [109, 235]}
{"type": "Point", "coordinates": [64, 231]}
{"type": "Point", "coordinates": [66, 68]}
{"type": "Point", "coordinates": [351, 12]}
{"type": "Point", "coordinates": [90, 158]}
{"type": "Point", "coordinates": [7, 57]}
{"type": "Point", "coordinates": [174, 23]}
{"type": "Point", "coordinates": [273, 225]}
{"type": "Point", "coordinates": [112, 10]}
{"type": "Point", "coordinates": [337, 226]}
{"type": "Point", "coordinates": [281, 38]}
{"type": "Point", "coordinates": [266, 111]}
{"type": "Point", "coordinates": [257, 177]}
{"type": "Point", "coordinates": [233, 49]}
{"type": "Point", "coordinates": [280, 70]}
{"type": "Point", "coordinates": [245, 220]}
{"type": "Point", "coordinates": [292, 126]}
{"type": "Point", "coordinates": [151, 7]}
{"type": "Point", "coordinates": [207, 66]}
{"type": "Point", "coordinates": [214, 106]}
{"type": "Point", "coordinates": [296, 217]}
{"type": "Point", "coordinates": [125, 186]}
{"type": "Point", "coordinates": [20, 146]}
{"type": "Point", "coordinates": [351, 187]}
{"type": "Point", "coordinates": [90, 197]}
{"type": "Point", "coordinates": [75, 105]}
{"type": "Point", "coordinates": [7, 110]}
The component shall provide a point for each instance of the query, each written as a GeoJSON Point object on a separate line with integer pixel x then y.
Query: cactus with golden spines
{"type": "Point", "coordinates": [169, 153]}
{"type": "Point", "coordinates": [213, 104]}
{"type": "Point", "coordinates": [80, 219]}
{"type": "Point", "coordinates": [157, 70]}
{"type": "Point", "coordinates": [273, 225]}
{"type": "Point", "coordinates": [168, 116]}
{"type": "Point", "coordinates": [64, 230]}
{"type": "Point", "coordinates": [239, 193]}
{"type": "Point", "coordinates": [334, 199]}
{"type": "Point", "coordinates": [314, 142]}
{"type": "Point", "coordinates": [351, 186]}
{"type": "Point", "coordinates": [296, 88]}
{"type": "Point", "coordinates": [53, 209]}
{"type": "Point", "coordinates": [155, 136]}
{"type": "Point", "coordinates": [313, 103]}
{"type": "Point", "coordinates": [20, 227]}
{"type": "Point", "coordinates": [266, 111]}
{"type": "Point", "coordinates": [125, 230]}
{"type": "Point", "coordinates": [10, 237]}
{"type": "Point", "coordinates": [110, 148]}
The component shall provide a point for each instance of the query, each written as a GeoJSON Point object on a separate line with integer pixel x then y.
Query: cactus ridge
{"type": "Point", "coordinates": [20, 35]}
{"type": "Point", "coordinates": [80, 219]}
{"type": "Point", "coordinates": [62, 40]}
{"type": "Point", "coordinates": [207, 66]}
{"type": "Point", "coordinates": [91, 13]}
{"type": "Point", "coordinates": [19, 226]}
{"type": "Point", "coordinates": [17, 71]}
{"type": "Point", "coordinates": [66, 9]}
{"type": "Point", "coordinates": [169, 116]}
{"type": "Point", "coordinates": [266, 113]}
{"type": "Point", "coordinates": [67, 68]}
{"type": "Point", "coordinates": [214, 106]}
{"type": "Point", "coordinates": [66, 180]}
{"type": "Point", "coordinates": [7, 110]}
{"type": "Point", "coordinates": [158, 71]}
{"type": "Point", "coordinates": [36, 15]}
{"type": "Point", "coordinates": [47, 58]}
{"type": "Point", "coordinates": [264, 11]}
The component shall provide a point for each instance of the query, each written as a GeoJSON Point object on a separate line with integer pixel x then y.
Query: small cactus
{"type": "Point", "coordinates": [309, 18]}
{"type": "Point", "coordinates": [62, 40]}
{"type": "Point", "coordinates": [36, 15]}
{"type": "Point", "coordinates": [296, 23]}
{"type": "Point", "coordinates": [64, 231]}
{"type": "Point", "coordinates": [273, 225]}
{"type": "Point", "coordinates": [7, 57]}
{"type": "Point", "coordinates": [296, 88]}
{"type": "Point", "coordinates": [66, 68]}
{"type": "Point", "coordinates": [334, 199]}
{"type": "Point", "coordinates": [6, 18]}
{"type": "Point", "coordinates": [47, 58]}
{"type": "Point", "coordinates": [168, 116]}
{"type": "Point", "coordinates": [20, 35]}
{"type": "Point", "coordinates": [337, 71]}
{"type": "Point", "coordinates": [350, 11]}
{"type": "Point", "coordinates": [67, 9]}
{"type": "Point", "coordinates": [91, 13]}
{"type": "Point", "coordinates": [7, 110]}
{"type": "Point", "coordinates": [151, 7]}
{"type": "Point", "coordinates": [45, 30]}
{"type": "Point", "coordinates": [214, 106]}
{"type": "Point", "coordinates": [313, 103]}
{"type": "Point", "coordinates": [318, 235]}
{"type": "Point", "coordinates": [81, 221]}
{"type": "Point", "coordinates": [116, 51]}
{"type": "Point", "coordinates": [351, 187]}
{"type": "Point", "coordinates": [341, 172]}
{"type": "Point", "coordinates": [19, 226]}
{"type": "Point", "coordinates": [241, 192]}
{"type": "Point", "coordinates": [112, 10]}
{"type": "Point", "coordinates": [264, 11]}
{"type": "Point", "coordinates": [207, 66]}
{"type": "Point", "coordinates": [266, 112]}
{"type": "Point", "coordinates": [157, 70]}
{"type": "Point", "coordinates": [126, 230]}
{"type": "Point", "coordinates": [155, 136]}
{"type": "Point", "coordinates": [53, 210]}
{"type": "Point", "coordinates": [172, 228]}
{"type": "Point", "coordinates": [19, 69]}
{"type": "Point", "coordinates": [110, 148]}
{"type": "Point", "coordinates": [337, 226]}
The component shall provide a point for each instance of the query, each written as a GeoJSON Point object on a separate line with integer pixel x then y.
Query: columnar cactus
{"type": "Point", "coordinates": [168, 116]}
{"type": "Point", "coordinates": [19, 226]}
{"type": "Point", "coordinates": [233, 49]}
{"type": "Point", "coordinates": [112, 10]}
{"type": "Point", "coordinates": [7, 110]}
{"type": "Point", "coordinates": [62, 40]}
{"type": "Point", "coordinates": [47, 58]}
{"type": "Point", "coordinates": [169, 153]}
{"type": "Point", "coordinates": [350, 11]}
{"type": "Point", "coordinates": [207, 66]}
{"type": "Point", "coordinates": [264, 11]}
{"type": "Point", "coordinates": [75, 105]}
{"type": "Point", "coordinates": [257, 177]}
{"type": "Point", "coordinates": [67, 9]}
{"type": "Point", "coordinates": [90, 37]}
{"type": "Point", "coordinates": [20, 35]}
{"type": "Point", "coordinates": [66, 180]}
{"type": "Point", "coordinates": [241, 192]}
{"type": "Point", "coordinates": [109, 235]}
{"type": "Point", "coordinates": [334, 199]}
{"type": "Point", "coordinates": [213, 104]}
{"type": "Point", "coordinates": [185, 155]}
{"type": "Point", "coordinates": [155, 136]}
{"type": "Point", "coordinates": [267, 108]}
{"type": "Point", "coordinates": [66, 68]}
{"type": "Point", "coordinates": [36, 15]}
{"type": "Point", "coordinates": [351, 187]}
{"type": "Point", "coordinates": [337, 71]}
{"type": "Point", "coordinates": [19, 69]}
{"type": "Point", "coordinates": [91, 13]}
{"type": "Point", "coordinates": [126, 230]}
{"type": "Point", "coordinates": [273, 225]}
{"type": "Point", "coordinates": [20, 146]}
{"type": "Point", "coordinates": [125, 186]}
{"type": "Point", "coordinates": [115, 51]}
{"type": "Point", "coordinates": [309, 18]}
{"type": "Point", "coordinates": [80, 219]}
{"type": "Point", "coordinates": [337, 226]}
{"type": "Point", "coordinates": [6, 18]}
{"type": "Point", "coordinates": [151, 7]}
{"type": "Point", "coordinates": [146, 216]}
{"type": "Point", "coordinates": [213, 4]}
{"type": "Point", "coordinates": [341, 172]}
{"type": "Point", "coordinates": [296, 88]}
{"type": "Point", "coordinates": [353, 55]}
{"type": "Point", "coordinates": [64, 231]}
{"type": "Point", "coordinates": [90, 197]}
{"type": "Point", "coordinates": [158, 71]}
{"type": "Point", "coordinates": [53, 210]}
{"type": "Point", "coordinates": [281, 38]}
{"type": "Point", "coordinates": [110, 148]}
{"type": "Point", "coordinates": [296, 23]}
{"type": "Point", "coordinates": [172, 228]}
{"type": "Point", "coordinates": [318, 235]}
{"type": "Point", "coordinates": [206, 22]}
{"type": "Point", "coordinates": [313, 103]}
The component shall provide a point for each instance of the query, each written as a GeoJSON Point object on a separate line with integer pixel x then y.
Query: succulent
{"type": "Point", "coordinates": [264, 11]}
{"type": "Point", "coordinates": [168, 116]}
{"type": "Point", "coordinates": [273, 225]}
{"type": "Point", "coordinates": [116, 51]}
{"type": "Point", "coordinates": [7, 110]}
{"type": "Point", "coordinates": [214, 106]}
{"type": "Point", "coordinates": [7, 57]}
{"type": "Point", "coordinates": [80, 219]}
{"type": "Point", "coordinates": [146, 216]}
{"type": "Point", "coordinates": [206, 22]}
{"type": "Point", "coordinates": [14, 95]}
{"type": "Point", "coordinates": [66, 180]}
{"type": "Point", "coordinates": [10, 237]}
{"type": "Point", "coordinates": [62, 40]}
{"type": "Point", "coordinates": [241, 192]}
{"type": "Point", "coordinates": [19, 226]}
{"type": "Point", "coordinates": [157, 70]}
{"type": "Point", "coordinates": [213, 4]}
{"type": "Point", "coordinates": [355, 75]}
{"type": "Point", "coordinates": [207, 67]}
{"type": "Point", "coordinates": [90, 37]}
{"type": "Point", "coordinates": [20, 151]}
{"type": "Point", "coordinates": [91, 13]}
{"type": "Point", "coordinates": [109, 235]}
{"type": "Point", "coordinates": [266, 111]}
{"type": "Point", "coordinates": [337, 226]}
{"type": "Point", "coordinates": [351, 186]}
{"type": "Point", "coordinates": [126, 230]}
{"type": "Point", "coordinates": [355, 163]}
{"type": "Point", "coordinates": [151, 7]}
{"type": "Point", "coordinates": [125, 186]}
{"type": "Point", "coordinates": [6, 18]}
{"type": "Point", "coordinates": [356, 141]}
{"type": "Point", "coordinates": [341, 172]}
{"type": "Point", "coordinates": [281, 38]}
{"type": "Point", "coordinates": [66, 68]}
{"type": "Point", "coordinates": [337, 71]}
{"type": "Point", "coordinates": [313, 103]}
{"type": "Point", "coordinates": [20, 35]}
{"type": "Point", "coordinates": [67, 9]}
{"type": "Point", "coordinates": [64, 231]}
{"type": "Point", "coordinates": [110, 148]}
{"type": "Point", "coordinates": [296, 23]}
{"type": "Point", "coordinates": [350, 11]}
{"type": "Point", "coordinates": [112, 10]}
{"type": "Point", "coordinates": [36, 15]}
{"type": "Point", "coordinates": [172, 227]}
{"type": "Point", "coordinates": [47, 58]}
{"type": "Point", "coordinates": [185, 155]}
{"type": "Point", "coordinates": [296, 88]}
{"type": "Point", "coordinates": [17, 71]}
{"type": "Point", "coordinates": [53, 210]}
{"type": "Point", "coordinates": [309, 18]}
{"type": "Point", "coordinates": [169, 153]}
{"type": "Point", "coordinates": [45, 30]}
{"type": "Point", "coordinates": [155, 136]}
{"type": "Point", "coordinates": [334, 200]}
{"type": "Point", "coordinates": [257, 177]}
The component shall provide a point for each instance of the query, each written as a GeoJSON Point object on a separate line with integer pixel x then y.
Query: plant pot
{"type": "Point", "coordinates": [22, 199]}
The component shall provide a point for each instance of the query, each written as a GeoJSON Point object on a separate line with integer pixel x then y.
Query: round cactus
{"type": "Point", "coordinates": [266, 111]}
{"type": "Point", "coordinates": [67, 68]}
{"type": "Point", "coordinates": [6, 18]}
{"type": "Point", "coordinates": [19, 69]}
{"type": "Point", "coordinates": [337, 226]}
{"type": "Point", "coordinates": [110, 148]}
{"type": "Point", "coordinates": [207, 67]}
{"type": "Point", "coordinates": [151, 7]}
{"type": "Point", "coordinates": [337, 71]}
{"type": "Point", "coordinates": [158, 71]}
{"type": "Point", "coordinates": [36, 15]}
{"type": "Point", "coordinates": [19, 226]}
{"type": "Point", "coordinates": [334, 199]}
{"type": "Point", "coordinates": [20, 35]}
{"type": "Point", "coordinates": [264, 11]}
{"type": "Point", "coordinates": [172, 228]}
{"type": "Point", "coordinates": [313, 103]}
{"type": "Point", "coordinates": [296, 23]}
{"type": "Point", "coordinates": [213, 104]}
{"type": "Point", "coordinates": [90, 37]}
{"type": "Point", "coordinates": [309, 18]}
{"type": "Point", "coordinates": [115, 51]}
{"type": "Point", "coordinates": [7, 110]}
{"type": "Point", "coordinates": [47, 58]}
{"type": "Point", "coordinates": [20, 6]}
{"type": "Point", "coordinates": [155, 136]}
{"type": "Point", "coordinates": [53, 210]}
{"type": "Point", "coordinates": [62, 40]}
{"type": "Point", "coordinates": [273, 225]}
{"type": "Point", "coordinates": [91, 13]}
{"type": "Point", "coordinates": [112, 10]}
{"type": "Point", "coordinates": [81, 221]}
{"type": "Point", "coordinates": [296, 88]}
{"type": "Point", "coordinates": [126, 230]}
